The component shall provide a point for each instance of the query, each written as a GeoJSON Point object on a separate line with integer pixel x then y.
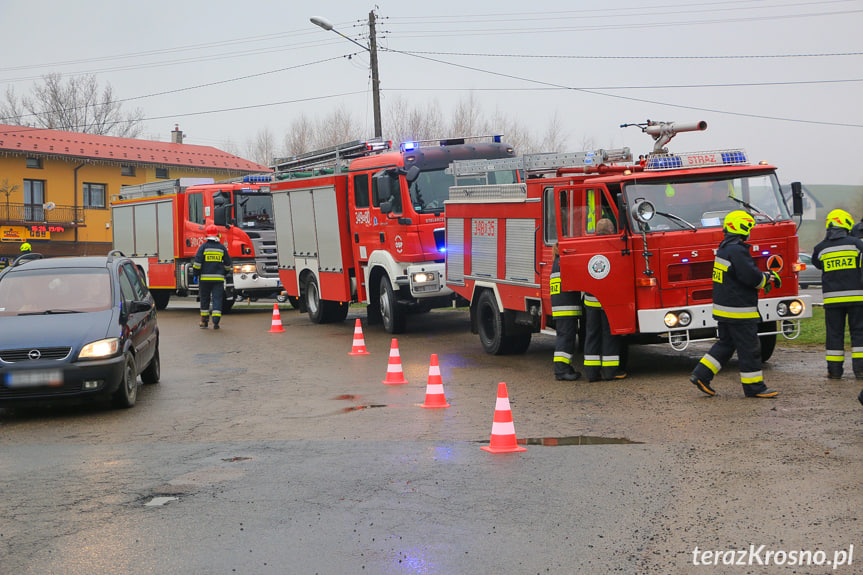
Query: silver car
{"type": "Point", "coordinates": [811, 275]}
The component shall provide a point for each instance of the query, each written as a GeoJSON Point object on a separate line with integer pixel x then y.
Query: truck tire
{"type": "Point", "coordinates": [768, 342]}
{"type": "Point", "coordinates": [322, 311]}
{"type": "Point", "coordinates": [492, 328]}
{"type": "Point", "coordinates": [393, 316]}
{"type": "Point", "coordinates": [161, 297]}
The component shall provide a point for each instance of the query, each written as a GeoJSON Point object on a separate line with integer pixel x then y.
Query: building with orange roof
{"type": "Point", "coordinates": [56, 186]}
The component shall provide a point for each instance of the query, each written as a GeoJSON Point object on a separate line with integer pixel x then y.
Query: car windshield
{"type": "Point", "coordinates": [50, 291]}
{"type": "Point", "coordinates": [431, 189]}
{"type": "Point", "coordinates": [255, 211]}
{"type": "Point", "coordinates": [704, 203]}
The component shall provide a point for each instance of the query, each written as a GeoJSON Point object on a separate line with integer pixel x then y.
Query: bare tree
{"type": "Point", "coordinates": [7, 191]}
{"type": "Point", "coordinates": [77, 104]}
{"type": "Point", "coordinates": [337, 128]}
{"type": "Point", "coordinates": [300, 137]}
{"type": "Point", "coordinates": [417, 122]}
{"type": "Point", "coordinates": [262, 149]}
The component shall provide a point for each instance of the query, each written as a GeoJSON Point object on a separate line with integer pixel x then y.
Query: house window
{"type": "Point", "coordinates": [162, 173]}
{"type": "Point", "coordinates": [94, 195]}
{"type": "Point", "coordinates": [34, 163]}
{"type": "Point", "coordinates": [127, 170]}
{"type": "Point", "coordinates": [34, 199]}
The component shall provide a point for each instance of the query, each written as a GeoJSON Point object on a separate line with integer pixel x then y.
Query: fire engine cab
{"type": "Point", "coordinates": [363, 222]}
{"type": "Point", "coordinates": [652, 274]}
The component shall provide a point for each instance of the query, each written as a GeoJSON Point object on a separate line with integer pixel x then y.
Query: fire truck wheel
{"type": "Point", "coordinates": [768, 342]}
{"type": "Point", "coordinates": [492, 328]}
{"type": "Point", "coordinates": [161, 297]}
{"type": "Point", "coordinates": [313, 300]}
{"type": "Point", "coordinates": [393, 316]}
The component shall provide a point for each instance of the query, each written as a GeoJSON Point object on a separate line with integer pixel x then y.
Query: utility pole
{"type": "Point", "coordinates": [376, 84]}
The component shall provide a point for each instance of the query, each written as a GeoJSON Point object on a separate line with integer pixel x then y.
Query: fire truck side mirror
{"type": "Point", "coordinates": [643, 211]}
{"type": "Point", "coordinates": [412, 174]}
{"type": "Point", "coordinates": [386, 207]}
{"type": "Point", "coordinates": [797, 198]}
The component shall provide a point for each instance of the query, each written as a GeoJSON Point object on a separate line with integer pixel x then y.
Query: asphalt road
{"type": "Point", "coordinates": [280, 453]}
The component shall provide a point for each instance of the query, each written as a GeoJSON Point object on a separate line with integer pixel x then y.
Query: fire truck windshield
{"type": "Point", "coordinates": [689, 203]}
{"type": "Point", "coordinates": [255, 211]}
{"type": "Point", "coordinates": [431, 188]}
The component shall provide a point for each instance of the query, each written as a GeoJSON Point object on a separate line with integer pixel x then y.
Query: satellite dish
{"type": "Point", "coordinates": [49, 206]}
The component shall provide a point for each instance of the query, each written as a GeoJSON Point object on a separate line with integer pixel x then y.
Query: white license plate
{"type": "Point", "coordinates": [34, 378]}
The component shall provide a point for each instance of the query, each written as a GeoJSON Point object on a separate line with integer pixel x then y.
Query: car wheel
{"type": "Point", "coordinates": [161, 297]}
{"type": "Point", "coordinates": [127, 392]}
{"type": "Point", "coordinates": [282, 298]}
{"type": "Point", "coordinates": [153, 371]}
{"type": "Point", "coordinates": [393, 316]}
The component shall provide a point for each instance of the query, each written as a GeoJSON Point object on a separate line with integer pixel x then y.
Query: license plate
{"type": "Point", "coordinates": [34, 378]}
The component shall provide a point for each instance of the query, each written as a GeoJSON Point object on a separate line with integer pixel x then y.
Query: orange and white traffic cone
{"type": "Point", "coordinates": [395, 376]}
{"type": "Point", "coordinates": [359, 345]}
{"type": "Point", "coordinates": [434, 389]}
{"type": "Point", "coordinates": [502, 429]}
{"type": "Point", "coordinates": [277, 320]}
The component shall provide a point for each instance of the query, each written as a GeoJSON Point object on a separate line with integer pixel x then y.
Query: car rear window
{"type": "Point", "coordinates": [35, 292]}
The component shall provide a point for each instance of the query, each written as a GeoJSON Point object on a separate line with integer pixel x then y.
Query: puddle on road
{"type": "Point", "coordinates": [575, 440]}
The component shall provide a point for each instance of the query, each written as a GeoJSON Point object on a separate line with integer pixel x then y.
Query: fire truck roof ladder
{"type": "Point", "coordinates": [537, 163]}
{"type": "Point", "coordinates": [331, 157]}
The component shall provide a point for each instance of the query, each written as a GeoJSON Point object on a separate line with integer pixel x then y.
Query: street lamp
{"type": "Point", "coordinates": [372, 49]}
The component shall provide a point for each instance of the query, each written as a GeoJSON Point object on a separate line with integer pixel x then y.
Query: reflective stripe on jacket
{"type": "Point", "coordinates": [212, 261]}
{"type": "Point", "coordinates": [736, 281]}
{"type": "Point", "coordinates": [563, 303]}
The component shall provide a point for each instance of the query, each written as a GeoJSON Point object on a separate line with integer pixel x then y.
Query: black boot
{"type": "Point", "coordinates": [704, 386]}
{"type": "Point", "coordinates": [758, 390]}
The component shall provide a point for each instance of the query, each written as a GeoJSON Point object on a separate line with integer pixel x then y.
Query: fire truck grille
{"type": "Point", "coordinates": [689, 272]}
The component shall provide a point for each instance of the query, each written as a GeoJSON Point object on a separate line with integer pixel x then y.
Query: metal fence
{"type": "Point", "coordinates": [11, 214]}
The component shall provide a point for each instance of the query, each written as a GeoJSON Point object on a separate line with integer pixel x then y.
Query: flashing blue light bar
{"type": "Point", "coordinates": [257, 179]}
{"type": "Point", "coordinates": [442, 249]}
{"type": "Point", "coordinates": [664, 163]}
{"type": "Point", "coordinates": [497, 138]}
{"type": "Point", "coordinates": [765, 253]}
{"type": "Point", "coordinates": [685, 260]}
{"type": "Point", "coordinates": [409, 146]}
{"type": "Point", "coordinates": [734, 157]}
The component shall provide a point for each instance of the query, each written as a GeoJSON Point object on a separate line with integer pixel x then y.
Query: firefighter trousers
{"type": "Point", "coordinates": [834, 320]}
{"type": "Point", "coordinates": [740, 337]}
{"type": "Point", "coordinates": [214, 290]}
{"type": "Point", "coordinates": [601, 349]}
{"type": "Point", "coordinates": [564, 344]}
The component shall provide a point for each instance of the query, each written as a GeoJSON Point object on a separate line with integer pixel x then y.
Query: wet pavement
{"type": "Point", "coordinates": [280, 453]}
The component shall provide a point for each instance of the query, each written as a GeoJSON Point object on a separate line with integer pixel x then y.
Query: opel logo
{"type": "Point", "coordinates": [34, 354]}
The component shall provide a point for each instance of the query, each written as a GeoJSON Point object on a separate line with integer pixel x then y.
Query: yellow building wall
{"type": "Point", "coordinates": [61, 189]}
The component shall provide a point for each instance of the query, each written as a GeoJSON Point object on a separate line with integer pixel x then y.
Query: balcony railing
{"type": "Point", "coordinates": [26, 214]}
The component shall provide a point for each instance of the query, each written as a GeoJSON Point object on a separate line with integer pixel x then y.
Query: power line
{"type": "Point", "coordinates": [628, 98]}
{"type": "Point", "coordinates": [585, 57]}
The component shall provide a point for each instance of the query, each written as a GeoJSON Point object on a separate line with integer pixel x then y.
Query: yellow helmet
{"type": "Point", "coordinates": [739, 222]}
{"type": "Point", "coordinates": [25, 247]}
{"type": "Point", "coordinates": [840, 219]}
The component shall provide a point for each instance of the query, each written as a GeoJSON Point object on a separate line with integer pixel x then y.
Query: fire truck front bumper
{"type": "Point", "coordinates": [425, 281]}
{"type": "Point", "coordinates": [685, 324]}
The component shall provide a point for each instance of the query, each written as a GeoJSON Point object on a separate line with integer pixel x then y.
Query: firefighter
{"type": "Point", "coordinates": [565, 309]}
{"type": "Point", "coordinates": [736, 282]}
{"type": "Point", "coordinates": [602, 350]}
{"type": "Point", "coordinates": [212, 264]}
{"type": "Point", "coordinates": [857, 230]}
{"type": "Point", "coordinates": [840, 258]}
{"type": "Point", "coordinates": [26, 248]}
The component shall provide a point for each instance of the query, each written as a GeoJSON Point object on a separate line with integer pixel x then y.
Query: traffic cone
{"type": "Point", "coordinates": [359, 345]}
{"type": "Point", "coordinates": [434, 389]}
{"type": "Point", "coordinates": [277, 320]}
{"type": "Point", "coordinates": [502, 430]}
{"type": "Point", "coordinates": [394, 367]}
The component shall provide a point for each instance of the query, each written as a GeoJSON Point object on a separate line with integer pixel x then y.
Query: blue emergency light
{"type": "Point", "coordinates": [409, 146]}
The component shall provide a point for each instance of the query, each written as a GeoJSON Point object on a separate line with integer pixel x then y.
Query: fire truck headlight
{"type": "Point", "coordinates": [685, 318]}
{"type": "Point", "coordinates": [245, 268]}
{"type": "Point", "coordinates": [790, 308]}
{"type": "Point", "coordinates": [423, 277]}
{"type": "Point", "coordinates": [643, 211]}
{"type": "Point", "coordinates": [670, 319]}
{"type": "Point", "coordinates": [782, 309]}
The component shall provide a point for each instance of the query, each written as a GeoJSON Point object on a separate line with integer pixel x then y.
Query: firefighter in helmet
{"type": "Point", "coordinates": [839, 256]}
{"type": "Point", "coordinates": [736, 283]}
{"type": "Point", "coordinates": [26, 248]}
{"type": "Point", "coordinates": [212, 264]}
{"type": "Point", "coordinates": [565, 309]}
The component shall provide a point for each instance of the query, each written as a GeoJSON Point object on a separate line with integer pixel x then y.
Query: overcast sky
{"type": "Point", "coordinates": [781, 78]}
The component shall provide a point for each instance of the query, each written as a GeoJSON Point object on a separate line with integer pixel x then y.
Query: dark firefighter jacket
{"type": "Point", "coordinates": [839, 257]}
{"type": "Point", "coordinates": [563, 303]}
{"type": "Point", "coordinates": [212, 261]}
{"type": "Point", "coordinates": [736, 281]}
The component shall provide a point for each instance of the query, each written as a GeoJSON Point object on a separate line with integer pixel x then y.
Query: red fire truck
{"type": "Point", "coordinates": [362, 222]}
{"type": "Point", "coordinates": [653, 275]}
{"type": "Point", "coordinates": [160, 225]}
